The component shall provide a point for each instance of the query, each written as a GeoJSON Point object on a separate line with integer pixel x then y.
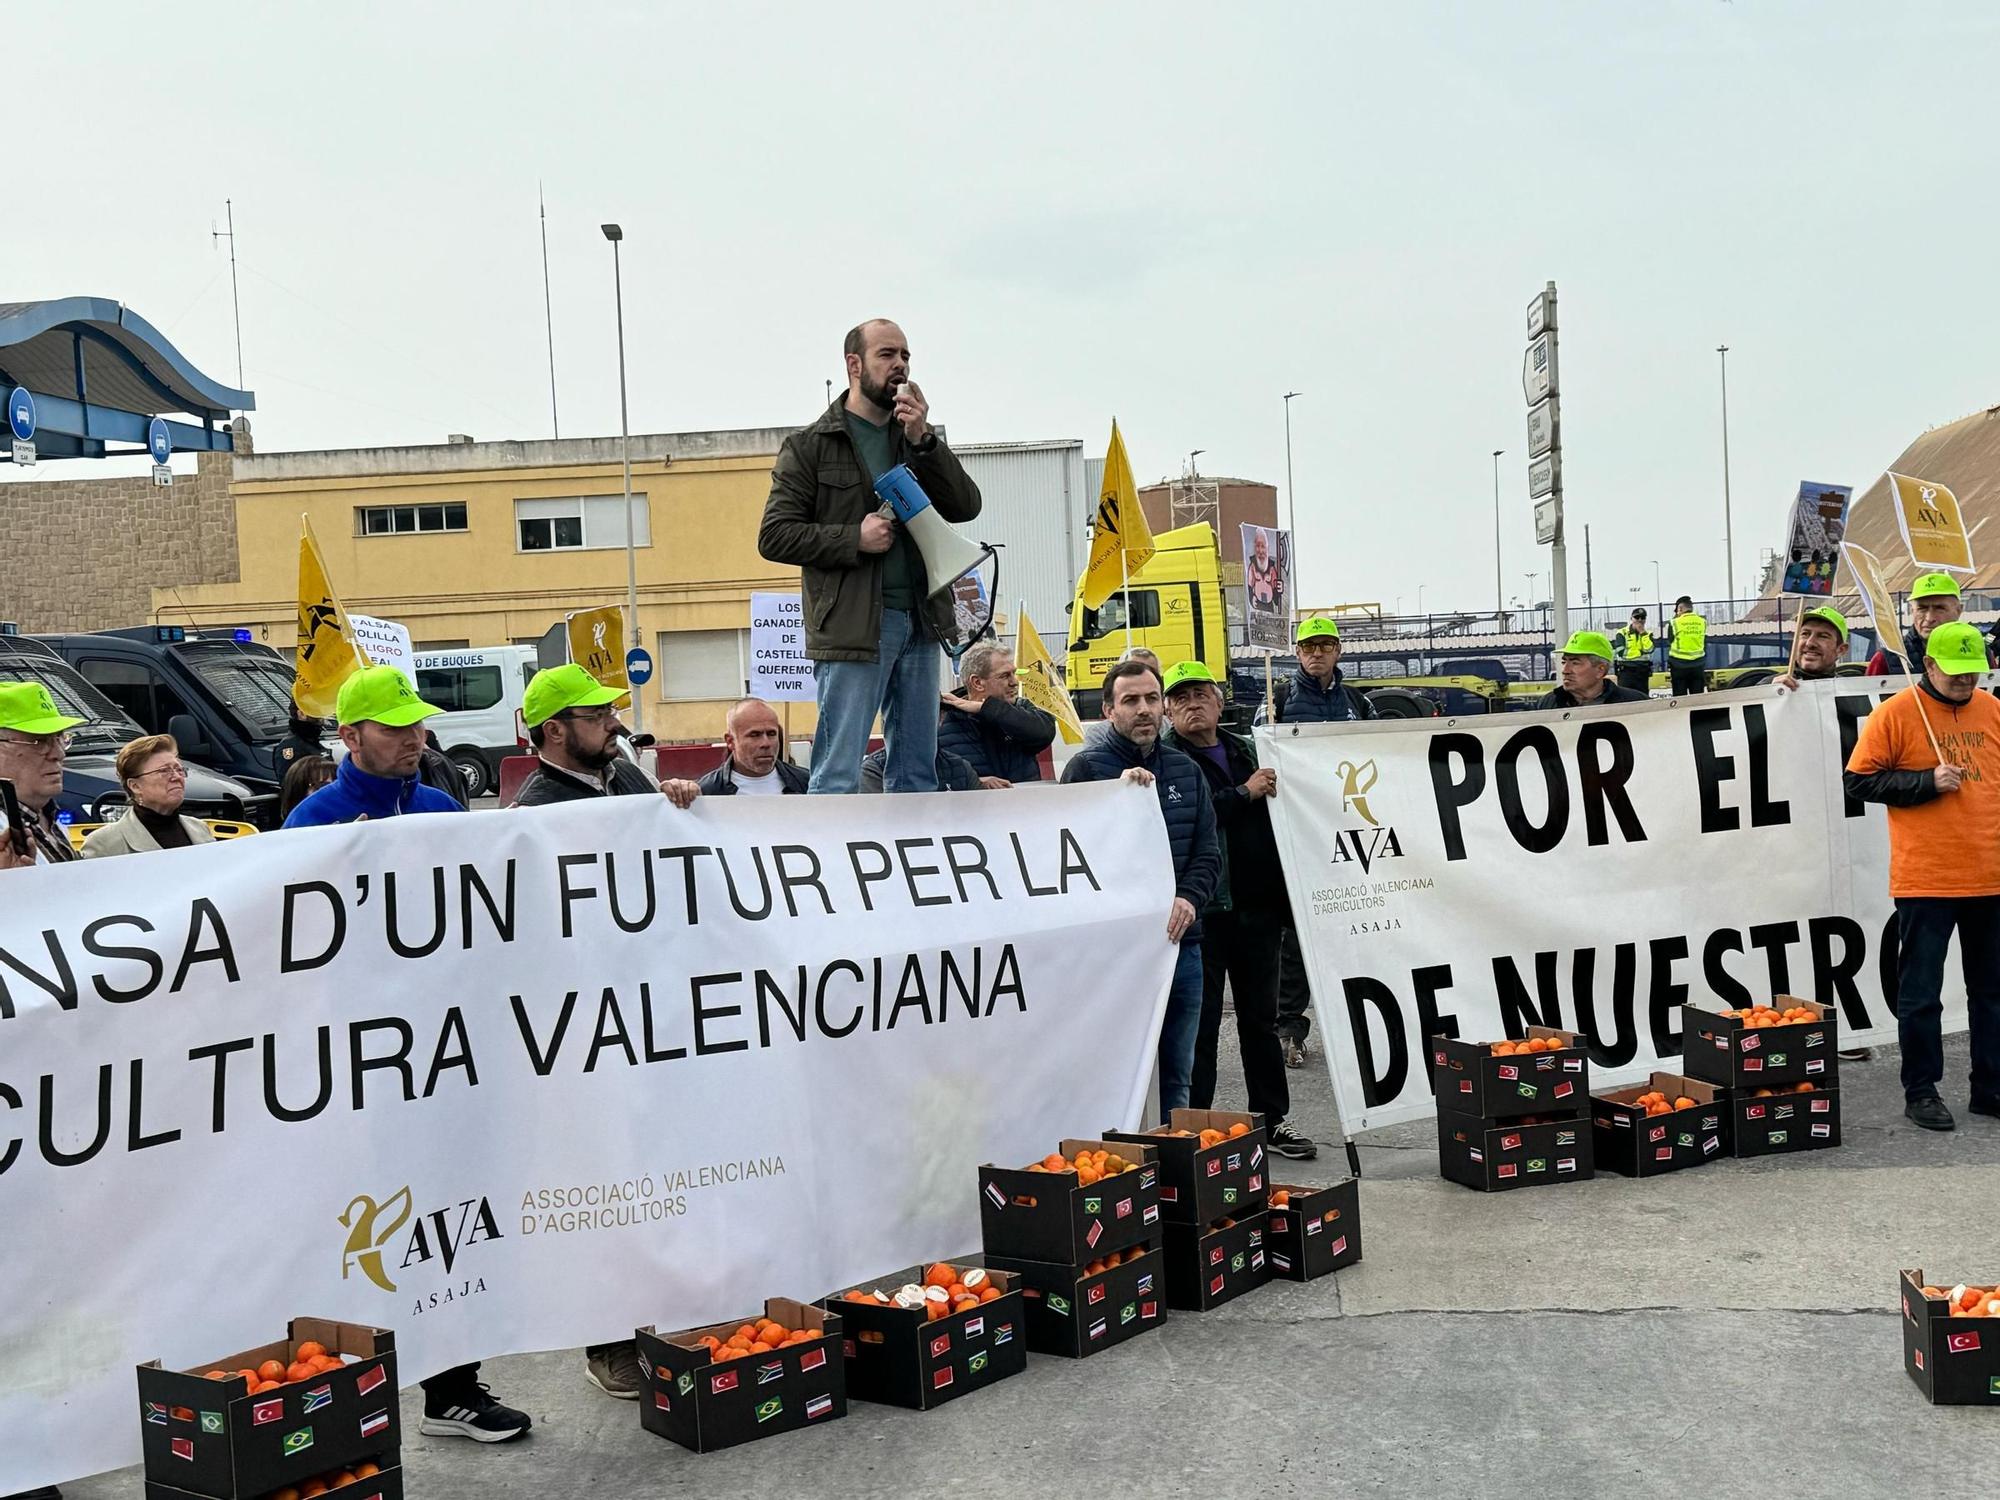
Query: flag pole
{"type": "Point", "coordinates": [1125, 584]}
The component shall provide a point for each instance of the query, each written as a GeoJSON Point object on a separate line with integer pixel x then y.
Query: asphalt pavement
{"type": "Point", "coordinates": [1725, 1331]}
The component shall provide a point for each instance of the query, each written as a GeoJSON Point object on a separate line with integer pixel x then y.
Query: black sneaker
{"type": "Point", "coordinates": [1286, 1141]}
{"type": "Point", "coordinates": [614, 1369]}
{"type": "Point", "coordinates": [1980, 1106]}
{"type": "Point", "coordinates": [1930, 1113]}
{"type": "Point", "coordinates": [472, 1413]}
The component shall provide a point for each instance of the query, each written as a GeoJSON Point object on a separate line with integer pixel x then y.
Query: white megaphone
{"type": "Point", "coordinates": [951, 563]}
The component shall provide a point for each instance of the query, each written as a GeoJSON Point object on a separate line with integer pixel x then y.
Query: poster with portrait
{"type": "Point", "coordinates": [1812, 546]}
{"type": "Point", "coordinates": [1267, 587]}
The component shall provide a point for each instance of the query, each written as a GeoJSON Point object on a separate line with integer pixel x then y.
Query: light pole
{"type": "Point", "coordinates": [1291, 514]}
{"type": "Point", "coordinates": [1728, 533]}
{"type": "Point", "coordinates": [1420, 596]}
{"type": "Point", "coordinates": [1499, 605]}
{"type": "Point", "coordinates": [1659, 598]}
{"type": "Point", "coordinates": [614, 234]}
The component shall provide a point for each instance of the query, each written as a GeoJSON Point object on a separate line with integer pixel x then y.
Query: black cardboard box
{"type": "Point", "coordinates": [212, 1437]}
{"type": "Point", "coordinates": [1076, 1315]}
{"type": "Point", "coordinates": [1469, 1079]}
{"type": "Point", "coordinates": [1625, 1139]}
{"type": "Point", "coordinates": [705, 1404]}
{"type": "Point", "coordinates": [1318, 1230]}
{"type": "Point", "coordinates": [1208, 1265]}
{"type": "Point", "coordinates": [1048, 1216]}
{"type": "Point", "coordinates": [900, 1356]}
{"type": "Point", "coordinates": [1198, 1184]}
{"type": "Point", "coordinates": [387, 1485]}
{"type": "Point", "coordinates": [1495, 1156]}
{"type": "Point", "coordinates": [1721, 1049]}
{"type": "Point", "coordinates": [1954, 1360]}
{"type": "Point", "coordinates": [1771, 1124]}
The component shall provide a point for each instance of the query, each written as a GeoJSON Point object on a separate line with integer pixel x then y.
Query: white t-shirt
{"type": "Point", "coordinates": [766, 785]}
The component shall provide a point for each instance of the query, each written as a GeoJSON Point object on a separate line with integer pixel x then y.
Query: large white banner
{"type": "Point", "coordinates": [1591, 869]}
{"type": "Point", "coordinates": [522, 1080]}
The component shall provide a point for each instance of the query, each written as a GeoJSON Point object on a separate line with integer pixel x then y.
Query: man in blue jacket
{"type": "Point", "coordinates": [986, 723]}
{"type": "Point", "coordinates": [382, 725]}
{"type": "Point", "coordinates": [1130, 750]}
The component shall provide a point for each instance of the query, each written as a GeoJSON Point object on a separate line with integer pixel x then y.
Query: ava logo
{"type": "Point", "coordinates": [1362, 846]}
{"type": "Point", "coordinates": [597, 636]}
{"type": "Point", "coordinates": [443, 1234]}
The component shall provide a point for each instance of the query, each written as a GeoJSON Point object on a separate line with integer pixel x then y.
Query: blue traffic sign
{"type": "Point", "coordinates": [21, 412]}
{"type": "Point", "coordinates": [638, 666]}
{"type": "Point", "coordinates": [159, 440]}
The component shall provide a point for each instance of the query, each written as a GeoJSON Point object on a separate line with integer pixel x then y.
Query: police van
{"type": "Point", "coordinates": [479, 688]}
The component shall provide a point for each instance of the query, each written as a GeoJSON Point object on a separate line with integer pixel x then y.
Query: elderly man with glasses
{"type": "Point", "coordinates": [34, 740]}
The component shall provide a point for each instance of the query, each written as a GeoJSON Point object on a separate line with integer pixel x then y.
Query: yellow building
{"type": "Point", "coordinates": [481, 544]}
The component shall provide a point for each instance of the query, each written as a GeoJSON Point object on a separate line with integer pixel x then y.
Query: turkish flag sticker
{"type": "Point", "coordinates": [1961, 1343]}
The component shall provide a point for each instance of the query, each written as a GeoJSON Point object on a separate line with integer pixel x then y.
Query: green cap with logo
{"type": "Point", "coordinates": [1957, 648]}
{"type": "Point", "coordinates": [27, 708]}
{"type": "Point", "coordinates": [1935, 586]}
{"type": "Point", "coordinates": [554, 689]}
{"type": "Point", "coordinates": [1831, 616]}
{"type": "Point", "coordinates": [1587, 643]}
{"type": "Point", "coordinates": [1182, 673]}
{"type": "Point", "coordinates": [381, 695]}
{"type": "Point", "coordinates": [1319, 627]}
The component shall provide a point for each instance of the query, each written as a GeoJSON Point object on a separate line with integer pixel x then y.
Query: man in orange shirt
{"type": "Point", "coordinates": [1944, 859]}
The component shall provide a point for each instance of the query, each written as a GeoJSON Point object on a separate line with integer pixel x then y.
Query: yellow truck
{"type": "Point", "coordinates": [1172, 606]}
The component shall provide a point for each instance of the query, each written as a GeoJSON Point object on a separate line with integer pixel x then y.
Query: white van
{"type": "Point", "coordinates": [479, 688]}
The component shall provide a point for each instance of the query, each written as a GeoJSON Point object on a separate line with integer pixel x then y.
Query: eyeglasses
{"type": "Point", "coordinates": [588, 715]}
{"type": "Point", "coordinates": [176, 771]}
{"type": "Point", "coordinates": [46, 743]}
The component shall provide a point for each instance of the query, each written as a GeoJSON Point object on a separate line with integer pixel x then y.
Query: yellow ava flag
{"type": "Point", "coordinates": [1876, 599]}
{"type": "Point", "coordinates": [1040, 683]}
{"type": "Point", "coordinates": [326, 653]}
{"type": "Point", "coordinates": [1933, 525]}
{"type": "Point", "coordinates": [1120, 540]}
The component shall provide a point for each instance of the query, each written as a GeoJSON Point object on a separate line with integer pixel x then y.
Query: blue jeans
{"type": "Point", "coordinates": [902, 685]}
{"type": "Point", "coordinates": [1179, 1030]}
{"type": "Point", "coordinates": [1924, 927]}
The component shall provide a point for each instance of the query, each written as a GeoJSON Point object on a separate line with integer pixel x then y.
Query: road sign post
{"type": "Point", "coordinates": [1541, 385]}
{"type": "Point", "coordinates": [638, 666]}
{"type": "Point", "coordinates": [21, 423]}
{"type": "Point", "coordinates": [160, 443]}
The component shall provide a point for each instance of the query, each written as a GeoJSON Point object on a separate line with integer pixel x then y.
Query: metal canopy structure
{"type": "Point", "coordinates": [100, 374]}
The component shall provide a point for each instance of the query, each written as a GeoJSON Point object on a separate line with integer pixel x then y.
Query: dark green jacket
{"type": "Point", "coordinates": [820, 495]}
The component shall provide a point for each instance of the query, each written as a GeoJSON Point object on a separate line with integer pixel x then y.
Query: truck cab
{"type": "Point", "coordinates": [226, 700]}
{"type": "Point", "coordinates": [1172, 606]}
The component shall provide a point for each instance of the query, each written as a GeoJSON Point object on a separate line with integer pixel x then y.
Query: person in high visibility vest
{"type": "Point", "coordinates": [1632, 654]}
{"type": "Point", "coordinates": [1687, 650]}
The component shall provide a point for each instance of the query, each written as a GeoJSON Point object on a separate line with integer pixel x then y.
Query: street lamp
{"type": "Point", "coordinates": [614, 234]}
{"type": "Point", "coordinates": [1659, 598]}
{"type": "Point", "coordinates": [1498, 606]}
{"type": "Point", "coordinates": [1291, 514]}
{"type": "Point", "coordinates": [1728, 535]}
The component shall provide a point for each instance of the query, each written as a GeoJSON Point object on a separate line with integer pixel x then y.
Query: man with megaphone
{"type": "Point", "coordinates": [876, 597]}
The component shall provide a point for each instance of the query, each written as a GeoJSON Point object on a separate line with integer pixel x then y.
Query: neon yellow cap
{"type": "Point", "coordinates": [1587, 643]}
{"type": "Point", "coordinates": [1832, 617]}
{"type": "Point", "coordinates": [1317, 628]}
{"type": "Point", "coordinates": [554, 689]}
{"type": "Point", "coordinates": [1935, 586]}
{"type": "Point", "coordinates": [1182, 672]}
{"type": "Point", "coordinates": [1957, 648]}
{"type": "Point", "coordinates": [381, 695]}
{"type": "Point", "coordinates": [27, 708]}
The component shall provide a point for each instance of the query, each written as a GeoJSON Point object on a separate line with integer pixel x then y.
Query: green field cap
{"type": "Point", "coordinates": [27, 708]}
{"type": "Point", "coordinates": [1182, 672]}
{"type": "Point", "coordinates": [1957, 648]}
{"type": "Point", "coordinates": [381, 695]}
{"type": "Point", "coordinates": [1587, 643]}
{"type": "Point", "coordinates": [1319, 627]}
{"type": "Point", "coordinates": [554, 689]}
{"type": "Point", "coordinates": [1832, 617]}
{"type": "Point", "coordinates": [1935, 586]}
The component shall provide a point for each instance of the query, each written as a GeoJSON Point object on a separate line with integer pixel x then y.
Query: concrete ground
{"type": "Point", "coordinates": [1726, 1331]}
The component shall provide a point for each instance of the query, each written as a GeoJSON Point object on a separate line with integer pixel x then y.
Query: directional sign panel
{"type": "Point", "coordinates": [1544, 474]}
{"type": "Point", "coordinates": [1548, 521]}
{"type": "Point", "coordinates": [1543, 428]}
{"type": "Point", "coordinates": [1538, 369]}
{"type": "Point", "coordinates": [1542, 312]}
{"type": "Point", "coordinates": [159, 440]}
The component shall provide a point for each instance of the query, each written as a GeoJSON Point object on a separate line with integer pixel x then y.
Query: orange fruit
{"type": "Point", "coordinates": [218, 1375]}
{"type": "Point", "coordinates": [311, 1349]}
{"type": "Point", "coordinates": [367, 1469]}
{"type": "Point", "coordinates": [1803, 1088]}
{"type": "Point", "coordinates": [1281, 1198]}
{"type": "Point", "coordinates": [289, 1492]}
{"type": "Point", "coordinates": [1054, 1162]}
{"type": "Point", "coordinates": [936, 1310]}
{"type": "Point", "coordinates": [312, 1487]}
{"type": "Point", "coordinates": [940, 1274]}
{"type": "Point", "coordinates": [296, 1371]}
{"type": "Point", "coordinates": [250, 1377]}
{"type": "Point", "coordinates": [1683, 1102]}
{"type": "Point", "coordinates": [345, 1476]}
{"type": "Point", "coordinates": [1239, 1128]}
{"type": "Point", "coordinates": [989, 1294]}
{"type": "Point", "coordinates": [271, 1369]}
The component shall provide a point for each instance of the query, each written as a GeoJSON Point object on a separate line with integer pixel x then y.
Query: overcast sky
{"type": "Point", "coordinates": [1169, 212]}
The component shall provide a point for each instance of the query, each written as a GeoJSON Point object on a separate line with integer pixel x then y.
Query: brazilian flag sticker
{"type": "Point", "coordinates": [211, 1421]}
{"type": "Point", "coordinates": [297, 1442]}
{"type": "Point", "coordinates": [1059, 1306]}
{"type": "Point", "coordinates": [769, 1409]}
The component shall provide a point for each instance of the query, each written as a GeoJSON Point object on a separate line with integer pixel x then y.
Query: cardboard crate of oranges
{"type": "Point", "coordinates": [734, 1382]}
{"type": "Point", "coordinates": [1076, 1311]}
{"type": "Point", "coordinates": [1498, 1155]}
{"type": "Point", "coordinates": [1771, 1120]}
{"type": "Point", "coordinates": [1079, 1202]}
{"type": "Point", "coordinates": [928, 1334]}
{"type": "Point", "coordinates": [1546, 1072]}
{"type": "Point", "coordinates": [1762, 1046]}
{"type": "Point", "coordinates": [1667, 1123]}
{"type": "Point", "coordinates": [1951, 1340]}
{"type": "Point", "coordinates": [1314, 1230]}
{"type": "Point", "coordinates": [281, 1416]}
{"type": "Point", "coordinates": [362, 1480]}
{"type": "Point", "coordinates": [1212, 1163]}
{"type": "Point", "coordinates": [1210, 1264]}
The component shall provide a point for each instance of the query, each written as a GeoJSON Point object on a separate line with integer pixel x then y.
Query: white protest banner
{"type": "Point", "coordinates": [385, 643]}
{"type": "Point", "coordinates": [779, 668]}
{"type": "Point", "coordinates": [1585, 868]}
{"type": "Point", "coordinates": [507, 1081]}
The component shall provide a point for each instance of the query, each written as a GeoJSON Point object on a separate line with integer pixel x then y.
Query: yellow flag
{"type": "Point", "coordinates": [326, 653]}
{"type": "Point", "coordinates": [597, 643]}
{"type": "Point", "coordinates": [1933, 525]}
{"type": "Point", "coordinates": [1039, 683]}
{"type": "Point", "coordinates": [1876, 599]}
{"type": "Point", "coordinates": [1120, 528]}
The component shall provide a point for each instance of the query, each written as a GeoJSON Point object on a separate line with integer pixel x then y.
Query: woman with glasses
{"type": "Point", "coordinates": [155, 781]}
